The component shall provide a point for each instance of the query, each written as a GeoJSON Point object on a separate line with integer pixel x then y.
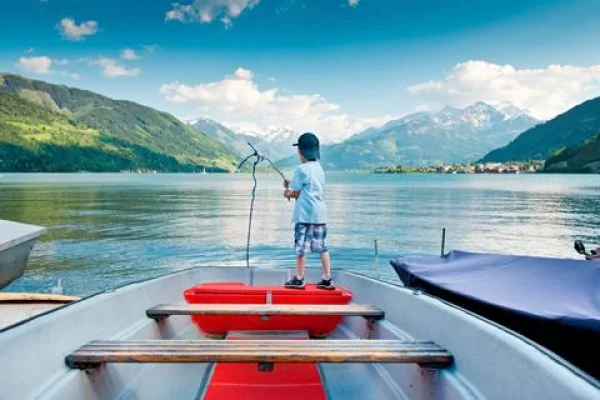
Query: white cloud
{"type": "Point", "coordinates": [545, 92]}
{"type": "Point", "coordinates": [237, 98]}
{"type": "Point", "coordinates": [69, 74]}
{"type": "Point", "coordinates": [36, 65]}
{"type": "Point", "coordinates": [180, 13]}
{"type": "Point", "coordinates": [71, 31]}
{"type": "Point", "coordinates": [207, 11]}
{"type": "Point", "coordinates": [43, 65]}
{"type": "Point", "coordinates": [151, 48]}
{"type": "Point", "coordinates": [111, 68]}
{"type": "Point", "coordinates": [129, 54]}
{"type": "Point", "coordinates": [353, 3]}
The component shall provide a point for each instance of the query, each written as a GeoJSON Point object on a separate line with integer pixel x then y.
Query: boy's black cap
{"type": "Point", "coordinates": [308, 144]}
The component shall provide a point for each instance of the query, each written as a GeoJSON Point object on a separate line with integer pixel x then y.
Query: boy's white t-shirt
{"type": "Point", "coordinates": [309, 180]}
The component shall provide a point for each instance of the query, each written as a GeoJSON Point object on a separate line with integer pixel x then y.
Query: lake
{"type": "Point", "coordinates": [107, 230]}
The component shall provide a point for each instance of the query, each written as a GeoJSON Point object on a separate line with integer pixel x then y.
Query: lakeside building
{"type": "Point", "coordinates": [484, 168]}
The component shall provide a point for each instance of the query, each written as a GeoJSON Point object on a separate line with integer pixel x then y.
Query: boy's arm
{"type": "Point", "coordinates": [294, 187]}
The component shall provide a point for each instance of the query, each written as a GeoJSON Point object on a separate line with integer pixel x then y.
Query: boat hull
{"type": "Point", "coordinates": [16, 242]}
{"type": "Point", "coordinates": [13, 262]}
{"type": "Point", "coordinates": [490, 361]}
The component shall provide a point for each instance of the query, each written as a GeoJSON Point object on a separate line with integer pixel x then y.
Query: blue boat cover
{"type": "Point", "coordinates": [565, 291]}
{"type": "Point", "coordinates": [555, 302]}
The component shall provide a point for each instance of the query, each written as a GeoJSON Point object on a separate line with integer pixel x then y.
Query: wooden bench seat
{"type": "Point", "coordinates": [260, 351]}
{"type": "Point", "coordinates": [264, 310]}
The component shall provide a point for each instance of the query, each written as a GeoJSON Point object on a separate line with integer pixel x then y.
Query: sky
{"type": "Point", "coordinates": [334, 67]}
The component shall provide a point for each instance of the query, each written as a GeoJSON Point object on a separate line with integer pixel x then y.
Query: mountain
{"type": "Point", "coordinates": [579, 159]}
{"type": "Point", "coordinates": [45, 127]}
{"type": "Point", "coordinates": [451, 135]}
{"type": "Point", "coordinates": [572, 128]}
{"type": "Point", "coordinates": [235, 142]}
{"type": "Point", "coordinates": [274, 142]}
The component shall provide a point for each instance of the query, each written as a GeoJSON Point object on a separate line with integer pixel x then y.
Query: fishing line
{"type": "Point", "coordinates": [258, 158]}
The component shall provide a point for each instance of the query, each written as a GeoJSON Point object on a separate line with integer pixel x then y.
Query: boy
{"type": "Point", "coordinates": [310, 212]}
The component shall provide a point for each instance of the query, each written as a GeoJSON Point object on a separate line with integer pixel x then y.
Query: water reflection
{"type": "Point", "coordinates": [107, 230]}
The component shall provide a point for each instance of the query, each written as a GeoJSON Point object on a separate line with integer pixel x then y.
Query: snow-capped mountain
{"type": "Point", "coordinates": [510, 111]}
{"type": "Point", "coordinates": [269, 133]}
{"type": "Point", "coordinates": [479, 116]}
{"type": "Point", "coordinates": [274, 142]}
{"type": "Point", "coordinates": [448, 135]}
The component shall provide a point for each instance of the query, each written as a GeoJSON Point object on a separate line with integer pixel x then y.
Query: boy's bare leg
{"type": "Point", "coordinates": [300, 266]}
{"type": "Point", "coordinates": [326, 264]}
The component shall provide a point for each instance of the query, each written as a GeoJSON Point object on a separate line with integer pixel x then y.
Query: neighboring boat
{"type": "Point", "coordinates": [16, 307]}
{"type": "Point", "coordinates": [392, 343]}
{"type": "Point", "coordinates": [16, 242]}
{"type": "Point", "coordinates": [555, 302]}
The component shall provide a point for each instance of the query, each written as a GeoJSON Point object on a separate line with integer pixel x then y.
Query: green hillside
{"type": "Point", "coordinates": [570, 129]}
{"type": "Point", "coordinates": [46, 127]}
{"type": "Point", "coordinates": [580, 159]}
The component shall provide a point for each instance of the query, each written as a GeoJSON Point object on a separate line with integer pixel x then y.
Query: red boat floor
{"type": "Point", "coordinates": [285, 382]}
{"type": "Point", "coordinates": [239, 293]}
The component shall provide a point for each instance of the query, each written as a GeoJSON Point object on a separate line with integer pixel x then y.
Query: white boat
{"type": "Point", "coordinates": [16, 242]}
{"type": "Point", "coordinates": [476, 359]}
{"type": "Point", "coordinates": [16, 307]}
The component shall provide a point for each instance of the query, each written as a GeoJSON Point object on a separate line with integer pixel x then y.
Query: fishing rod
{"type": "Point", "coordinates": [261, 157]}
{"type": "Point", "coordinates": [258, 158]}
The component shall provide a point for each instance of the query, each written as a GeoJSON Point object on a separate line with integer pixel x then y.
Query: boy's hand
{"type": "Point", "coordinates": [291, 194]}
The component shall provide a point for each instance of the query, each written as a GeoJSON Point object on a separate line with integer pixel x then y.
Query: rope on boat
{"type": "Point", "coordinates": [258, 158]}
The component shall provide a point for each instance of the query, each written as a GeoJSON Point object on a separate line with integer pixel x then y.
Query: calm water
{"type": "Point", "coordinates": [107, 230]}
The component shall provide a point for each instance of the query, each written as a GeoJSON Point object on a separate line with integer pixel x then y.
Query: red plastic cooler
{"type": "Point", "coordinates": [240, 293]}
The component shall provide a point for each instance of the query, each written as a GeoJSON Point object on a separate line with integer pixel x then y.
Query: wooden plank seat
{"type": "Point", "coordinates": [263, 352]}
{"type": "Point", "coordinates": [265, 310]}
